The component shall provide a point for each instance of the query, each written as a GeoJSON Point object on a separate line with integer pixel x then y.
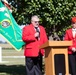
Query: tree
{"type": "Point", "coordinates": [55, 15]}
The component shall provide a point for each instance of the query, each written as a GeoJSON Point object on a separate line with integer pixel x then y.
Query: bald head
{"type": "Point", "coordinates": [35, 20]}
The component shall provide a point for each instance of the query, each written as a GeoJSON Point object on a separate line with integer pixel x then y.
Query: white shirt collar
{"type": "Point", "coordinates": [74, 29]}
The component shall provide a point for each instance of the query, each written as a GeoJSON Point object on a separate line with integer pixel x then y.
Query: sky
{"type": "Point", "coordinates": [2, 39]}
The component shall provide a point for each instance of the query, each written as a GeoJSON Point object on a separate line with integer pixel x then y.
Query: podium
{"type": "Point", "coordinates": [53, 51]}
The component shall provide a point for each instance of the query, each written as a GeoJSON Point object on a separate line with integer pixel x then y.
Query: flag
{"type": "Point", "coordinates": [9, 29]}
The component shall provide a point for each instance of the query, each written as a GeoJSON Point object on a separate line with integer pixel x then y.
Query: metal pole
{"type": "Point", "coordinates": [0, 54]}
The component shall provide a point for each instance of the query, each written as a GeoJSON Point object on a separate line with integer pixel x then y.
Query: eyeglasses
{"type": "Point", "coordinates": [36, 21]}
{"type": "Point", "coordinates": [74, 23]}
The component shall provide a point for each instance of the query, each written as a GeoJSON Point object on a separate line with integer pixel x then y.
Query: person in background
{"type": "Point", "coordinates": [34, 36]}
{"type": "Point", "coordinates": [70, 35]}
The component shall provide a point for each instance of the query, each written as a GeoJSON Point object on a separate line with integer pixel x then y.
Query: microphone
{"type": "Point", "coordinates": [37, 30]}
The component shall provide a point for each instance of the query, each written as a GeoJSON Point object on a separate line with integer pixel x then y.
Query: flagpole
{"type": "Point", "coordinates": [0, 54]}
{"type": "Point", "coordinates": [7, 5]}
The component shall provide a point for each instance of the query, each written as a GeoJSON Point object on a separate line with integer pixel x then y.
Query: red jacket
{"type": "Point", "coordinates": [32, 44]}
{"type": "Point", "coordinates": [69, 37]}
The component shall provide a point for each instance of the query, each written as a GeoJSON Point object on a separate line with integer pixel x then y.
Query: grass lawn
{"type": "Point", "coordinates": [12, 70]}
{"type": "Point", "coordinates": [14, 62]}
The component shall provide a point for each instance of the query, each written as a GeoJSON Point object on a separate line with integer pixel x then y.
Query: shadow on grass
{"type": "Point", "coordinates": [13, 69]}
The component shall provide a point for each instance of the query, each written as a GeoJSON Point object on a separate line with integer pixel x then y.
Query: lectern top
{"type": "Point", "coordinates": [56, 44]}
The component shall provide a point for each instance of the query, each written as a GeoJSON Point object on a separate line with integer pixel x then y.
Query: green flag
{"type": "Point", "coordinates": [9, 29]}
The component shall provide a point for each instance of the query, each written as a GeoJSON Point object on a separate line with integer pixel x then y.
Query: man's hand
{"type": "Point", "coordinates": [74, 49]}
{"type": "Point", "coordinates": [37, 34]}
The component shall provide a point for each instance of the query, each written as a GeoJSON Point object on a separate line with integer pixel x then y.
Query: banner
{"type": "Point", "coordinates": [9, 29]}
